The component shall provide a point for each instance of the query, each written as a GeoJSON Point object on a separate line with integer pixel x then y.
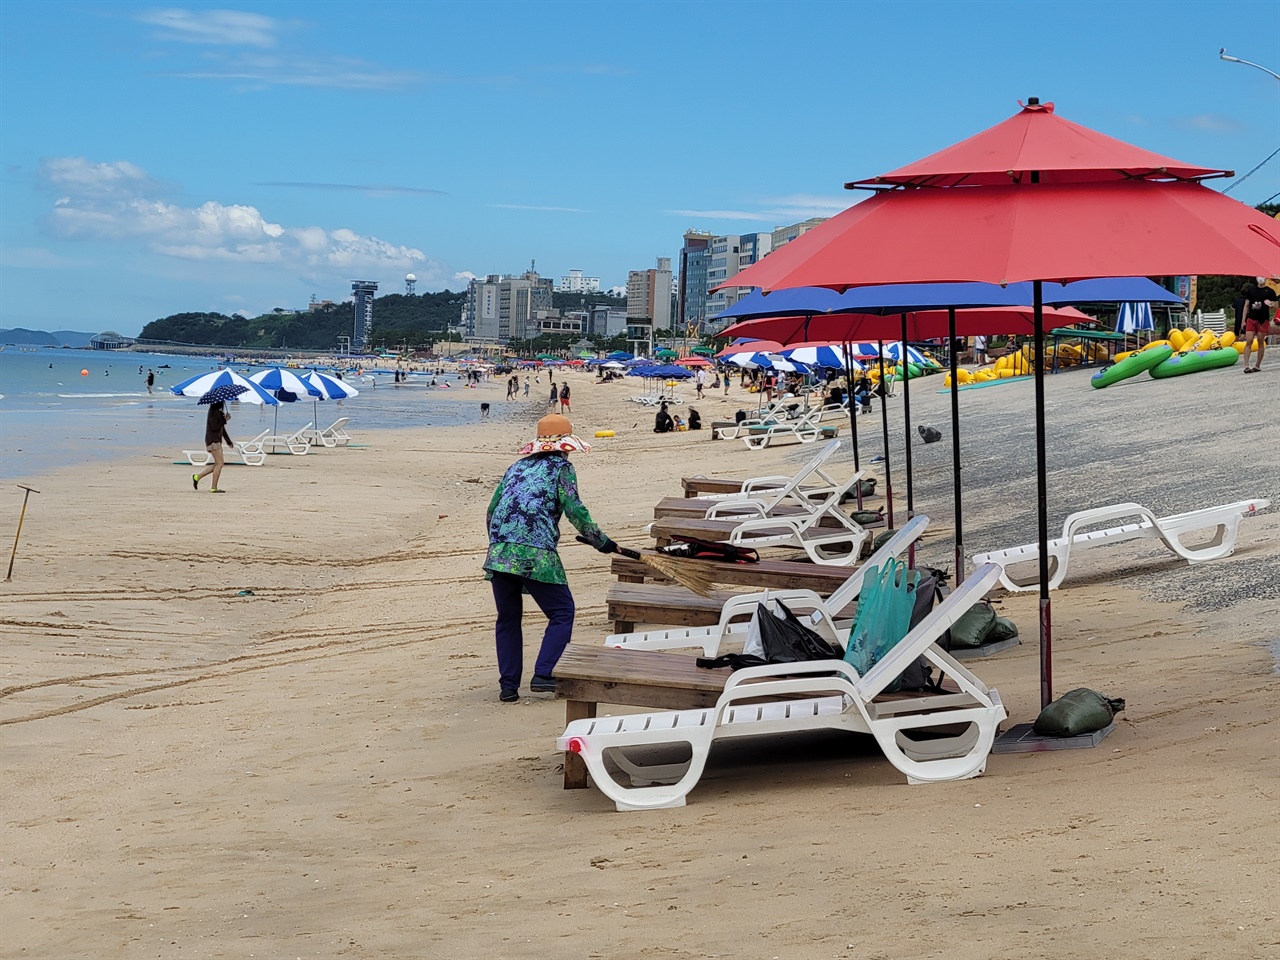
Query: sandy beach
{"type": "Point", "coordinates": [266, 724]}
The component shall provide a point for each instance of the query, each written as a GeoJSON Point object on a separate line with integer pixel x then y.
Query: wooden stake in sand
{"type": "Point", "coordinates": [22, 516]}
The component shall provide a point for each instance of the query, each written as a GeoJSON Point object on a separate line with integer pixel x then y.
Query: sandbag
{"type": "Point", "coordinates": [882, 539]}
{"type": "Point", "coordinates": [1002, 628]}
{"type": "Point", "coordinates": [929, 434]}
{"type": "Point", "coordinates": [866, 518]}
{"type": "Point", "coordinates": [972, 627]}
{"type": "Point", "coordinates": [1077, 712]}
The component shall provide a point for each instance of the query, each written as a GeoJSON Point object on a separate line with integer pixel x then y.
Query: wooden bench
{"type": "Point", "coordinates": [696, 508]}
{"type": "Point", "coordinates": [664, 529]}
{"type": "Point", "coordinates": [700, 486]}
{"type": "Point", "coordinates": [676, 606]}
{"type": "Point", "coordinates": [774, 574]}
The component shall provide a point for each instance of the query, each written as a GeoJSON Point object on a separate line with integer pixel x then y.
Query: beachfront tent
{"type": "Point", "coordinates": [1033, 198]}
{"type": "Point", "coordinates": [201, 384]}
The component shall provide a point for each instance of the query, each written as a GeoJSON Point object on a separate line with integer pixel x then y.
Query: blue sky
{"type": "Point", "coordinates": [245, 156]}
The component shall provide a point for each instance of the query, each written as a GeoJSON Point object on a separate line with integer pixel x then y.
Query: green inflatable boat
{"type": "Point", "coordinates": [1195, 360]}
{"type": "Point", "coordinates": [1132, 365]}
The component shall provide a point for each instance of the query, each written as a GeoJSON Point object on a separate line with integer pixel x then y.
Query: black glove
{"type": "Point", "coordinates": [608, 546]}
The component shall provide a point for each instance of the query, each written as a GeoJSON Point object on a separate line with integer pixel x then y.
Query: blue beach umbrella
{"type": "Point", "coordinates": [328, 388]}
{"type": "Point", "coordinates": [202, 384]}
{"type": "Point", "coordinates": [284, 385]}
{"type": "Point", "coordinates": [819, 355]}
{"type": "Point", "coordinates": [228, 391]}
{"type": "Point", "coordinates": [1134, 317]}
{"type": "Point", "coordinates": [894, 352]}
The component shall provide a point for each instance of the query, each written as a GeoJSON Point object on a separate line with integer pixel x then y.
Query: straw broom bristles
{"type": "Point", "coordinates": [676, 570]}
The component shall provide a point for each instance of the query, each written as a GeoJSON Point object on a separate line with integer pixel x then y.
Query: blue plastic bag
{"type": "Point", "coordinates": [884, 614]}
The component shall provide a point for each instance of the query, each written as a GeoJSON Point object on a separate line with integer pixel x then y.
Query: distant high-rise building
{"type": "Point", "coordinates": [362, 292]}
{"type": "Point", "coordinates": [575, 282]}
{"type": "Point", "coordinates": [784, 235]}
{"type": "Point", "coordinates": [691, 300]}
{"type": "Point", "coordinates": [729, 255]}
{"type": "Point", "coordinates": [507, 307]}
{"type": "Point", "coordinates": [649, 295]}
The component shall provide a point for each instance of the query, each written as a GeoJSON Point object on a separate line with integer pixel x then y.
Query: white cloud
{"type": "Point", "coordinates": [464, 276]}
{"type": "Point", "coordinates": [217, 27]}
{"type": "Point", "coordinates": [523, 206]}
{"type": "Point", "coordinates": [347, 73]}
{"type": "Point", "coordinates": [118, 202]}
{"type": "Point", "coordinates": [1209, 123]}
{"type": "Point", "coordinates": [776, 210]}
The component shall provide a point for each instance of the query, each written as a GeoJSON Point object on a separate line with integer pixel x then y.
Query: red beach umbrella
{"type": "Point", "coordinates": [1035, 198]}
{"type": "Point", "coordinates": [921, 325]}
{"type": "Point", "coordinates": [755, 346]}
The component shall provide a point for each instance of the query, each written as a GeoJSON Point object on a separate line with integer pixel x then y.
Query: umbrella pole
{"type": "Point", "coordinates": [884, 426]}
{"type": "Point", "coordinates": [853, 411]}
{"type": "Point", "coordinates": [955, 441]}
{"type": "Point", "coordinates": [906, 419]}
{"type": "Point", "coordinates": [1042, 508]}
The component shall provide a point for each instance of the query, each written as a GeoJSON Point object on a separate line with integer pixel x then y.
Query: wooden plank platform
{"type": "Point", "coordinates": [664, 529]}
{"type": "Point", "coordinates": [775, 574]}
{"type": "Point", "coordinates": [696, 507]}
{"type": "Point", "coordinates": [672, 605]}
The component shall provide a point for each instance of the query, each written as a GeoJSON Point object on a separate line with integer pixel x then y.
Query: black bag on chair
{"type": "Point", "coordinates": [787, 640]}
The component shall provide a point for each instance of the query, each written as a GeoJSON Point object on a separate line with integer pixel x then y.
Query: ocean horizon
{"type": "Point", "coordinates": [54, 416]}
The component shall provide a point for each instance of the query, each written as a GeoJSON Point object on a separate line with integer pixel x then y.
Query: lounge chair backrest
{"type": "Point", "coordinates": [928, 631]}
{"type": "Point", "coordinates": [773, 497]}
{"type": "Point", "coordinates": [844, 595]}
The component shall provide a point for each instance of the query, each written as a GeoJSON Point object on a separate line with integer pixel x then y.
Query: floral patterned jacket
{"type": "Point", "coordinates": [524, 518]}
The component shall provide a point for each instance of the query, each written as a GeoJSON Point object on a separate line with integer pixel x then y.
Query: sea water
{"type": "Point", "coordinates": [61, 408]}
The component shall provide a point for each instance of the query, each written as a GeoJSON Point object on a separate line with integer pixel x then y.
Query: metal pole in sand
{"type": "Point", "coordinates": [22, 516]}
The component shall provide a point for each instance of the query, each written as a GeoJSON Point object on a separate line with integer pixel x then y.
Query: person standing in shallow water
{"type": "Point", "coordinates": [523, 521]}
{"type": "Point", "coordinates": [151, 380]}
{"type": "Point", "coordinates": [215, 435]}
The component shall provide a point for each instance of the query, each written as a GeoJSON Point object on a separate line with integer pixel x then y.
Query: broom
{"type": "Point", "coordinates": [672, 569]}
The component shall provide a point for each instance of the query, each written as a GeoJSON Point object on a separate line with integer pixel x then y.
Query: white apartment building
{"type": "Point", "coordinates": [784, 235]}
{"type": "Point", "coordinates": [649, 294]}
{"type": "Point", "coordinates": [575, 282]}
{"type": "Point", "coordinates": [729, 255]}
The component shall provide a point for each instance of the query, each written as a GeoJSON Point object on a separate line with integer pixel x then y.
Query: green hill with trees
{"type": "Point", "coordinates": [396, 319]}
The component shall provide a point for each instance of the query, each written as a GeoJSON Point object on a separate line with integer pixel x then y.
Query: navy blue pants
{"type": "Point", "coordinates": [554, 600]}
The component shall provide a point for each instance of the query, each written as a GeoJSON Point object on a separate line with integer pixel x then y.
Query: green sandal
{"type": "Point", "coordinates": [195, 481]}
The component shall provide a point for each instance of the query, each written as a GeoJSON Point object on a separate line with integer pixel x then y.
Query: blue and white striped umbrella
{"type": "Point", "coordinates": [1133, 317]}
{"type": "Point", "coordinates": [198, 386]}
{"type": "Point", "coordinates": [274, 379]}
{"type": "Point", "coordinates": [329, 388]}
{"type": "Point", "coordinates": [819, 356]}
{"type": "Point", "coordinates": [767, 361]}
{"type": "Point", "coordinates": [893, 351]}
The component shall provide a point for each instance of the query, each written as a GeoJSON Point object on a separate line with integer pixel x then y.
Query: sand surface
{"type": "Point", "coordinates": [321, 768]}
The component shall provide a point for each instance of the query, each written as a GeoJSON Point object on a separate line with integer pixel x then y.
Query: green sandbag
{"type": "Point", "coordinates": [867, 486]}
{"type": "Point", "coordinates": [972, 627]}
{"type": "Point", "coordinates": [1077, 712]}
{"type": "Point", "coordinates": [882, 539]}
{"type": "Point", "coordinates": [1002, 628]}
{"type": "Point", "coordinates": [864, 518]}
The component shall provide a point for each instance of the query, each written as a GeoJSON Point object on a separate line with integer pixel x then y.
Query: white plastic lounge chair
{"type": "Point", "coordinates": [334, 435]}
{"type": "Point", "coordinates": [814, 611]}
{"type": "Point", "coordinates": [806, 429]}
{"type": "Point", "coordinates": [818, 695]}
{"type": "Point", "coordinates": [249, 452]}
{"type": "Point", "coordinates": [297, 443]}
{"type": "Point", "coordinates": [839, 544]}
{"type": "Point", "coordinates": [767, 486]}
{"type": "Point", "coordinates": [775, 504]}
{"type": "Point", "coordinates": [1169, 530]}
{"type": "Point", "coordinates": [774, 412]}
